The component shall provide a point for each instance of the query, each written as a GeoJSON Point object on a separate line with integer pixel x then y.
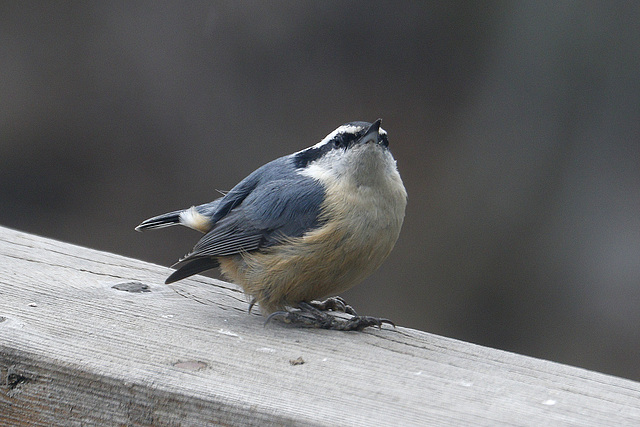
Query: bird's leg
{"type": "Point", "coordinates": [311, 317]}
{"type": "Point", "coordinates": [334, 304]}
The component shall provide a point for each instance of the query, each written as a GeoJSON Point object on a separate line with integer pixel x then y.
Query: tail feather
{"type": "Point", "coordinates": [195, 266]}
{"type": "Point", "coordinates": [196, 217]}
{"type": "Point", "coordinates": [160, 221]}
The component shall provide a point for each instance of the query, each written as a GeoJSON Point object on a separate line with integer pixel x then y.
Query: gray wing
{"type": "Point", "coordinates": [271, 212]}
{"type": "Point", "coordinates": [259, 212]}
{"type": "Point", "coordinates": [264, 208]}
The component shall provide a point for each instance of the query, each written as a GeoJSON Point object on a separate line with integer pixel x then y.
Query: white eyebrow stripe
{"type": "Point", "coordinates": [341, 129]}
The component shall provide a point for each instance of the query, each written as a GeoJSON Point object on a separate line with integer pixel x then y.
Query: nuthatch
{"type": "Point", "coordinates": [305, 226]}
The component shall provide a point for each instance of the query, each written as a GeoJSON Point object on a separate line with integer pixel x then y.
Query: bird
{"type": "Point", "coordinates": [303, 227]}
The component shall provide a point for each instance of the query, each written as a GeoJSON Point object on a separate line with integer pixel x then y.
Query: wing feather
{"type": "Point", "coordinates": [258, 214]}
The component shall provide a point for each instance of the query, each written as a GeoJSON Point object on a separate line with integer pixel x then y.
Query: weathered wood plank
{"type": "Point", "coordinates": [76, 351]}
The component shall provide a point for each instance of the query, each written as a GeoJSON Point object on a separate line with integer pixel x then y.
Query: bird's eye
{"type": "Point", "coordinates": [342, 140]}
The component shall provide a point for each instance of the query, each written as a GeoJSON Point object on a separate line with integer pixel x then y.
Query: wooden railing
{"type": "Point", "coordinates": [92, 338]}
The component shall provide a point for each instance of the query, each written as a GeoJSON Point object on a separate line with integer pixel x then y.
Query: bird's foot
{"type": "Point", "coordinates": [333, 304]}
{"type": "Point", "coordinates": [311, 317]}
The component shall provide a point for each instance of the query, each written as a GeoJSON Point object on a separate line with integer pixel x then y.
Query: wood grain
{"type": "Point", "coordinates": [92, 338]}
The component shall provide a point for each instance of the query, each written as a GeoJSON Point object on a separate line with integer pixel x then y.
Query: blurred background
{"type": "Point", "coordinates": [516, 127]}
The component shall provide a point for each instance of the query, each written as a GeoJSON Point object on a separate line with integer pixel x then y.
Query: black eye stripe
{"type": "Point", "coordinates": [351, 132]}
{"type": "Point", "coordinates": [303, 158]}
{"type": "Point", "coordinates": [343, 139]}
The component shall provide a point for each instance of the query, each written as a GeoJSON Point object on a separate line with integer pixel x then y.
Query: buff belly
{"type": "Point", "coordinates": [324, 262]}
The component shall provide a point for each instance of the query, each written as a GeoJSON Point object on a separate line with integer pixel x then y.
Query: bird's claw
{"type": "Point", "coordinates": [334, 304]}
{"type": "Point", "coordinates": [310, 316]}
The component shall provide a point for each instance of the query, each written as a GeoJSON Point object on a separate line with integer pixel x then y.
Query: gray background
{"type": "Point", "coordinates": [516, 126]}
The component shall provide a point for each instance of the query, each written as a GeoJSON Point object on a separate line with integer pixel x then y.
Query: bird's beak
{"type": "Point", "coordinates": [372, 134]}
